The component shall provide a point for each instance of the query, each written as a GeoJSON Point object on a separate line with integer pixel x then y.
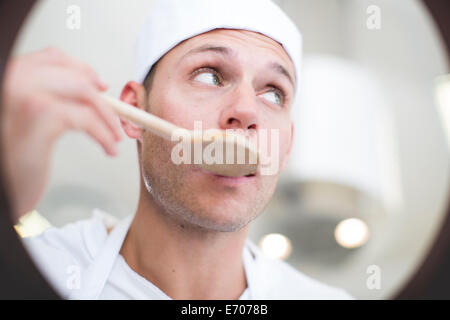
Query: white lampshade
{"type": "Point", "coordinates": [344, 132]}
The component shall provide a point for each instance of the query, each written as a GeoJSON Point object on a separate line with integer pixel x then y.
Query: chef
{"type": "Point", "coordinates": [232, 65]}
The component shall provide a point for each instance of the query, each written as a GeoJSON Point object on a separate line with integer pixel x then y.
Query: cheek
{"type": "Point", "coordinates": [183, 105]}
{"type": "Point", "coordinates": [285, 140]}
{"type": "Point", "coordinates": [167, 104]}
{"type": "Point", "coordinates": [280, 138]}
{"type": "Point", "coordinates": [285, 143]}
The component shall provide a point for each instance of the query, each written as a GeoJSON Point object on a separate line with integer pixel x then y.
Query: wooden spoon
{"type": "Point", "coordinates": [231, 145]}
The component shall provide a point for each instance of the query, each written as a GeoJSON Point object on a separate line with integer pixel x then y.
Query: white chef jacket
{"type": "Point", "coordinates": [82, 261]}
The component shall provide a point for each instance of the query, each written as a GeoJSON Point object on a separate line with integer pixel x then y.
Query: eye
{"type": "Point", "coordinates": [275, 96]}
{"type": "Point", "coordinates": [207, 76]}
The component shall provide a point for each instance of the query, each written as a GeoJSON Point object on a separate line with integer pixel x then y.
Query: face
{"type": "Point", "coordinates": [227, 79]}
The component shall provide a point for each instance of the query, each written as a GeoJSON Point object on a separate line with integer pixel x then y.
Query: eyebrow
{"type": "Point", "coordinates": [282, 70]}
{"type": "Point", "coordinates": [228, 52]}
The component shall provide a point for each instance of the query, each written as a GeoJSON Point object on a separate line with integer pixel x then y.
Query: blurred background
{"type": "Point", "coordinates": [367, 185]}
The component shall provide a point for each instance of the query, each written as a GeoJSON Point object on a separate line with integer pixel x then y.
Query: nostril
{"type": "Point", "coordinates": [252, 127]}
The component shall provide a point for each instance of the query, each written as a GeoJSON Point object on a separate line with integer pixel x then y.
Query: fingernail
{"type": "Point", "coordinates": [103, 84]}
{"type": "Point", "coordinates": [112, 151]}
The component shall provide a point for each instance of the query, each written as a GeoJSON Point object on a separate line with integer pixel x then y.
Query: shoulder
{"type": "Point", "coordinates": [282, 281]}
{"type": "Point", "coordinates": [59, 252]}
{"type": "Point", "coordinates": [81, 239]}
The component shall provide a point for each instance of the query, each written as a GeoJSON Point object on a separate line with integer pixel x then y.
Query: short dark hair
{"type": "Point", "coordinates": [148, 81]}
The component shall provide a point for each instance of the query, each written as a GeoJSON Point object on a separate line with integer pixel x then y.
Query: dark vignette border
{"type": "Point", "coordinates": [20, 279]}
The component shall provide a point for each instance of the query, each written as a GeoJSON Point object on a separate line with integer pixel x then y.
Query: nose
{"type": "Point", "coordinates": [241, 112]}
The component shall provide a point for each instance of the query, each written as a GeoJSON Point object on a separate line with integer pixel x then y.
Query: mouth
{"type": "Point", "coordinates": [232, 177]}
{"type": "Point", "coordinates": [229, 181]}
{"type": "Point", "coordinates": [233, 181]}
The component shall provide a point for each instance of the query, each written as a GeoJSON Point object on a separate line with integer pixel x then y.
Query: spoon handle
{"type": "Point", "coordinates": [155, 124]}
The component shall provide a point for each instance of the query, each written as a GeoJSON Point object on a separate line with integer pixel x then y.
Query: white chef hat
{"type": "Point", "coordinates": [172, 21]}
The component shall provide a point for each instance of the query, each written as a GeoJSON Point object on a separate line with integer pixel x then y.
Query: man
{"type": "Point", "coordinates": [231, 65]}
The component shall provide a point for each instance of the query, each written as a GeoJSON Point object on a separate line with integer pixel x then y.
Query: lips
{"type": "Point", "coordinates": [233, 181]}
{"type": "Point", "coordinates": [229, 181]}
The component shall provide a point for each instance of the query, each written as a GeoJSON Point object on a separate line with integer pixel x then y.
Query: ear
{"type": "Point", "coordinates": [291, 142]}
{"type": "Point", "coordinates": [134, 94]}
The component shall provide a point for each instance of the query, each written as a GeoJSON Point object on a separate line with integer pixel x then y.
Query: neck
{"type": "Point", "coordinates": [184, 261]}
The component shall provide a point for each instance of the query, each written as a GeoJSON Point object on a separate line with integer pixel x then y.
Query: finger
{"type": "Point", "coordinates": [79, 89]}
{"type": "Point", "coordinates": [56, 56]}
{"type": "Point", "coordinates": [105, 112]}
{"type": "Point", "coordinates": [87, 71]}
{"type": "Point", "coordinates": [78, 117]}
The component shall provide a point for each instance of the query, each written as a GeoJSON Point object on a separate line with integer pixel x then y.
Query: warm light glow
{"type": "Point", "coordinates": [31, 224]}
{"type": "Point", "coordinates": [276, 246]}
{"type": "Point", "coordinates": [443, 101]}
{"type": "Point", "coordinates": [351, 233]}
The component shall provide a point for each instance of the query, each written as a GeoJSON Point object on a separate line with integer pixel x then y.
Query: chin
{"type": "Point", "coordinates": [222, 226]}
{"type": "Point", "coordinates": [223, 219]}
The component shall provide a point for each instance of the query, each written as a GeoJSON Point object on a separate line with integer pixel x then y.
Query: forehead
{"type": "Point", "coordinates": [252, 43]}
